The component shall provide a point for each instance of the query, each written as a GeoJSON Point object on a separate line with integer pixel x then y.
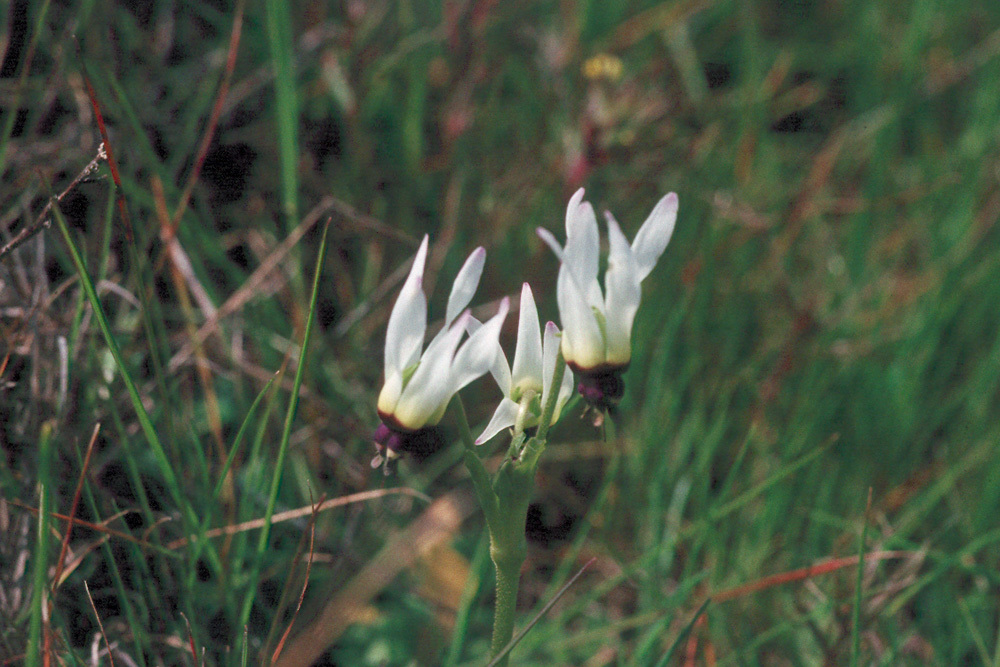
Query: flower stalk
{"type": "Point", "coordinates": [505, 506]}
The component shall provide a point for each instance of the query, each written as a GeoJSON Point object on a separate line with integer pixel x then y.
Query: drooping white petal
{"type": "Point", "coordinates": [654, 235]}
{"type": "Point", "coordinates": [504, 417]}
{"type": "Point", "coordinates": [404, 334]}
{"type": "Point", "coordinates": [526, 372]}
{"type": "Point", "coordinates": [500, 370]}
{"type": "Point", "coordinates": [465, 284]}
{"type": "Point", "coordinates": [582, 342]}
{"type": "Point", "coordinates": [478, 354]}
{"type": "Point", "coordinates": [430, 387]}
{"type": "Point", "coordinates": [621, 284]}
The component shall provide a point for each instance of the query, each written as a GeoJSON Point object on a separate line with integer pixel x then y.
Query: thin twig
{"type": "Point", "coordinates": [42, 220]}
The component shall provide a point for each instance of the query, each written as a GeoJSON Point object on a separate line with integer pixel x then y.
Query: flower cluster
{"type": "Point", "coordinates": [595, 341]}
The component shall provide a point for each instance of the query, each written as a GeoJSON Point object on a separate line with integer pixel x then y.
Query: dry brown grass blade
{"type": "Point", "coordinates": [100, 625]}
{"type": "Point", "coordinates": [96, 527]}
{"type": "Point", "coordinates": [80, 554]}
{"type": "Point", "coordinates": [437, 523]}
{"type": "Point", "coordinates": [61, 562]}
{"type": "Point", "coordinates": [191, 644]}
{"type": "Point", "coordinates": [303, 511]}
{"type": "Point", "coordinates": [109, 153]}
{"type": "Point", "coordinates": [305, 585]}
{"type": "Point", "coordinates": [249, 289]}
{"type": "Point", "coordinates": [184, 280]}
{"type": "Point", "coordinates": [213, 119]}
{"type": "Point", "coordinates": [805, 573]}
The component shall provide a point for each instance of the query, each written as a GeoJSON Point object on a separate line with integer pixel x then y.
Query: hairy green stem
{"type": "Point", "coordinates": [508, 578]}
{"type": "Point", "coordinates": [505, 505]}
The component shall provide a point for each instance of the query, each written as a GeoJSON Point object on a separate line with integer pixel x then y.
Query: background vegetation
{"type": "Point", "coordinates": [823, 326]}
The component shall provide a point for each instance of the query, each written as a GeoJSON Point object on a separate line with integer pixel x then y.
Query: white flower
{"type": "Point", "coordinates": [418, 387]}
{"type": "Point", "coordinates": [526, 387]}
{"type": "Point", "coordinates": [597, 324]}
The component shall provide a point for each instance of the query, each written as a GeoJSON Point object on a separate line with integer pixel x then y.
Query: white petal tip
{"type": "Point", "coordinates": [479, 252]}
{"type": "Point", "coordinates": [550, 327]}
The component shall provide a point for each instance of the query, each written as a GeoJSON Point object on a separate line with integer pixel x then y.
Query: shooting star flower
{"type": "Point", "coordinates": [597, 324]}
{"type": "Point", "coordinates": [526, 387]}
{"type": "Point", "coordinates": [418, 387]}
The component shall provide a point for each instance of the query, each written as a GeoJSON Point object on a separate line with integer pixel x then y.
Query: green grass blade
{"type": "Point", "coordinates": [476, 570]}
{"type": "Point", "coordinates": [858, 588]}
{"type": "Point", "coordinates": [199, 543]}
{"type": "Point", "coordinates": [14, 104]}
{"type": "Point", "coordinates": [173, 484]}
{"type": "Point", "coordinates": [682, 637]}
{"type": "Point", "coordinates": [40, 589]}
{"type": "Point", "coordinates": [279, 33]}
{"type": "Point", "coordinates": [285, 436]}
{"type": "Point", "coordinates": [773, 479]}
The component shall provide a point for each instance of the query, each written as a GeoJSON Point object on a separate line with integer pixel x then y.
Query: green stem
{"type": "Point", "coordinates": [477, 471]}
{"type": "Point", "coordinates": [508, 578]}
{"type": "Point", "coordinates": [505, 504]}
{"type": "Point", "coordinates": [513, 485]}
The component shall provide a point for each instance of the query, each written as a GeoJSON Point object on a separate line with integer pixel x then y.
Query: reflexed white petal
{"type": "Point", "coordinates": [404, 334]}
{"type": "Point", "coordinates": [504, 417]}
{"type": "Point", "coordinates": [550, 351]}
{"type": "Point", "coordinates": [430, 387]}
{"type": "Point", "coordinates": [571, 207]}
{"type": "Point", "coordinates": [465, 284]}
{"type": "Point", "coordinates": [550, 241]}
{"type": "Point", "coordinates": [582, 341]}
{"type": "Point", "coordinates": [581, 287]}
{"type": "Point", "coordinates": [500, 370]}
{"type": "Point", "coordinates": [583, 247]}
{"type": "Point", "coordinates": [623, 293]}
{"type": "Point", "coordinates": [654, 235]}
{"type": "Point", "coordinates": [478, 354]}
{"type": "Point", "coordinates": [527, 370]}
